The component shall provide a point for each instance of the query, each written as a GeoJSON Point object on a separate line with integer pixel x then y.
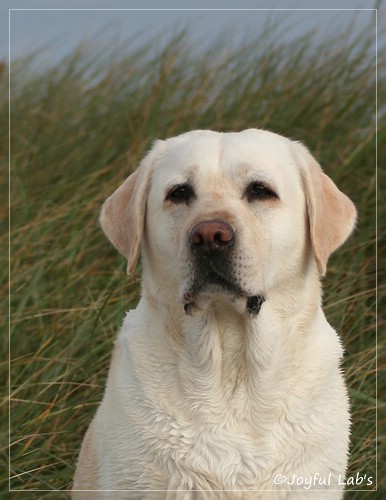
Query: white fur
{"type": "Point", "coordinates": [222, 399]}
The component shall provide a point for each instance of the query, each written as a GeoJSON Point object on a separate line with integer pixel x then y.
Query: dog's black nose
{"type": "Point", "coordinates": [211, 236]}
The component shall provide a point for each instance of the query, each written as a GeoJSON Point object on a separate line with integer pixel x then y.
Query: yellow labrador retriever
{"type": "Point", "coordinates": [227, 374]}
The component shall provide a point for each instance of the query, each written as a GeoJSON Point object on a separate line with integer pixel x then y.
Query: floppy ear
{"type": "Point", "coordinates": [123, 213]}
{"type": "Point", "coordinates": [332, 215]}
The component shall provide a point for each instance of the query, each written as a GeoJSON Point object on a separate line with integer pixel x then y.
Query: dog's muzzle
{"type": "Point", "coordinates": [212, 244]}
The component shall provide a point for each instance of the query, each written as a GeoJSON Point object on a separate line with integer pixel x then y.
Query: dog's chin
{"type": "Point", "coordinates": [220, 292]}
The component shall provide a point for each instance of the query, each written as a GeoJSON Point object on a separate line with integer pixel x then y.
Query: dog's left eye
{"type": "Point", "coordinates": [259, 191]}
{"type": "Point", "coordinates": [180, 194]}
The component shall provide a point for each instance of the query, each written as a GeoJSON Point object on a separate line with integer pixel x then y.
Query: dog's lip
{"type": "Point", "coordinates": [219, 283]}
{"type": "Point", "coordinates": [229, 288]}
{"type": "Point", "coordinates": [218, 277]}
{"type": "Point", "coordinates": [215, 276]}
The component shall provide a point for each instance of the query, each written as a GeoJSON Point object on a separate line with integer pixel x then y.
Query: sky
{"type": "Point", "coordinates": [62, 30]}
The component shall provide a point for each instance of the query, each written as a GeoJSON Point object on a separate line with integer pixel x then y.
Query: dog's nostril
{"type": "Point", "coordinates": [211, 236]}
{"type": "Point", "coordinates": [223, 237]}
{"type": "Point", "coordinates": [196, 239]}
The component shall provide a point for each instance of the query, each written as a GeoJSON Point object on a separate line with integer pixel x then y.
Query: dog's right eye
{"type": "Point", "coordinates": [180, 194]}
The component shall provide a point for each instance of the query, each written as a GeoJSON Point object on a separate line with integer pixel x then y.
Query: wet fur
{"type": "Point", "coordinates": [224, 397]}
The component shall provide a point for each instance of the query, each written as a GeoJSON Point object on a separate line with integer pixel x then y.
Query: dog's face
{"type": "Point", "coordinates": [234, 214]}
{"type": "Point", "coordinates": [224, 213]}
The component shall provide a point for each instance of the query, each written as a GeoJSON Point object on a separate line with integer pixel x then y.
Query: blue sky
{"type": "Point", "coordinates": [31, 29]}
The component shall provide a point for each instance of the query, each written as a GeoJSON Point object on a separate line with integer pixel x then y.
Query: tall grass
{"type": "Point", "coordinates": [79, 128]}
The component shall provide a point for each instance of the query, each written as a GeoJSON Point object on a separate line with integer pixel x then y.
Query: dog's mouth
{"type": "Point", "coordinates": [216, 278]}
{"type": "Point", "coordinates": [214, 275]}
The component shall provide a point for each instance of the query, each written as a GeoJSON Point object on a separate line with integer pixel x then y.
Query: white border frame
{"type": "Point", "coordinates": [375, 10]}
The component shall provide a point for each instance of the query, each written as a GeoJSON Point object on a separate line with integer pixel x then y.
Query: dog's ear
{"type": "Point", "coordinates": [123, 213]}
{"type": "Point", "coordinates": [331, 214]}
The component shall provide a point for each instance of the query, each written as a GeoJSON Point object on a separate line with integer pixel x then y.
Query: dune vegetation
{"type": "Point", "coordinates": [78, 128]}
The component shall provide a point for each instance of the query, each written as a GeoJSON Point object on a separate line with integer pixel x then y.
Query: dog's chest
{"type": "Point", "coordinates": [201, 422]}
{"type": "Point", "coordinates": [210, 457]}
{"type": "Point", "coordinates": [198, 453]}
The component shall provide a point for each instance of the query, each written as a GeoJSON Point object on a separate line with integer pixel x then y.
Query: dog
{"type": "Point", "coordinates": [225, 381]}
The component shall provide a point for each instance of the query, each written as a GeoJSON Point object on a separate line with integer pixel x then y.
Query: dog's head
{"type": "Point", "coordinates": [234, 213]}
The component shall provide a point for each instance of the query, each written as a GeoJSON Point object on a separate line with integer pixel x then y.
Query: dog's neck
{"type": "Point", "coordinates": [221, 339]}
{"type": "Point", "coordinates": [223, 359]}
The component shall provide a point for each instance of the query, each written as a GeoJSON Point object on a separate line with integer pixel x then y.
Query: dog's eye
{"type": "Point", "coordinates": [181, 194]}
{"type": "Point", "coordinates": [258, 191]}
